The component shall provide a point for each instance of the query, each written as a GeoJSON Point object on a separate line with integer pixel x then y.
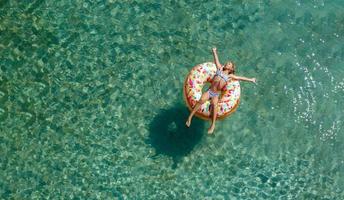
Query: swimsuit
{"type": "Point", "coordinates": [224, 77]}
{"type": "Point", "coordinates": [212, 94]}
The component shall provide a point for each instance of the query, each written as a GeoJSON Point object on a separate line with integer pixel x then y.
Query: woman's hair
{"type": "Point", "coordinates": [233, 66]}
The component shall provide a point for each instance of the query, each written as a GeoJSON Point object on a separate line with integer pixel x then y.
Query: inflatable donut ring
{"type": "Point", "coordinates": [194, 83]}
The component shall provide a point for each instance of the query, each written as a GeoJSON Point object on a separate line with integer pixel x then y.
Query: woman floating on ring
{"type": "Point", "coordinates": [224, 73]}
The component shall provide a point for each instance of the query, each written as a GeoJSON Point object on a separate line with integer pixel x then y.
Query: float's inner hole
{"type": "Point", "coordinates": [205, 87]}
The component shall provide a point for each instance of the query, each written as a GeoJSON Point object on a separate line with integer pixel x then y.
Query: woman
{"type": "Point", "coordinates": [223, 74]}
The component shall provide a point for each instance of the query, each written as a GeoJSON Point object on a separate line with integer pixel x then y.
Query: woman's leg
{"type": "Point", "coordinates": [204, 97]}
{"type": "Point", "coordinates": [214, 102]}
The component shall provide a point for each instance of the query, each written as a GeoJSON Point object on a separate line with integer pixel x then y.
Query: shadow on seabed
{"type": "Point", "coordinates": [169, 135]}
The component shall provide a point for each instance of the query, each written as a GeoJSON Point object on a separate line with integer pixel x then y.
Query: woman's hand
{"type": "Point", "coordinates": [254, 80]}
{"type": "Point", "coordinates": [214, 49]}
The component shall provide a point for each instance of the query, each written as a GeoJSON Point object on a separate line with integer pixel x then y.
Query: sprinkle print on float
{"type": "Point", "coordinates": [195, 81]}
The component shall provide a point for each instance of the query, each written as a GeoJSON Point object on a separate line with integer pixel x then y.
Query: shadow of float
{"type": "Point", "coordinates": [169, 135]}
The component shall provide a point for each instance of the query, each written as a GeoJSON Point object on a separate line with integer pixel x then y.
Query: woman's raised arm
{"type": "Point", "coordinates": [216, 58]}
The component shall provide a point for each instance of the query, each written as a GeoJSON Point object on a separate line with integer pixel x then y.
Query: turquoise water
{"type": "Point", "coordinates": [91, 102]}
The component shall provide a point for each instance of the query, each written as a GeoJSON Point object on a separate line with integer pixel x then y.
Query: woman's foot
{"type": "Point", "coordinates": [188, 122]}
{"type": "Point", "coordinates": [211, 129]}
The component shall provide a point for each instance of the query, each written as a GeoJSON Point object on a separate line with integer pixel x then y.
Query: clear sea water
{"type": "Point", "coordinates": [91, 103]}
